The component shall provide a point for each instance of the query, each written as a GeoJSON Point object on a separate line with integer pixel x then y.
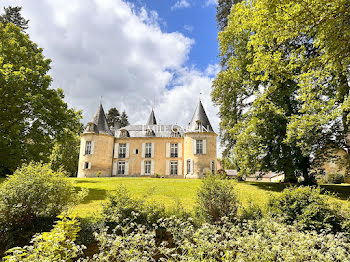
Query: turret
{"type": "Point", "coordinates": [152, 119]}
{"type": "Point", "coordinates": [200, 145]}
{"type": "Point", "coordinates": [96, 147]}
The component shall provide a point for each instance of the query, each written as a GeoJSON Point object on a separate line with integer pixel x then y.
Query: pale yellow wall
{"type": "Point", "coordinates": [159, 153]}
{"type": "Point", "coordinates": [101, 159]}
{"type": "Point", "coordinates": [328, 167]}
{"type": "Point", "coordinates": [201, 161]}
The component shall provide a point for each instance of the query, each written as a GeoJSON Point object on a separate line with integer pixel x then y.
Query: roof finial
{"type": "Point", "coordinates": [100, 100]}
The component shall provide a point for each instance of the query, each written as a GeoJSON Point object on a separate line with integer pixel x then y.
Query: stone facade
{"type": "Point", "coordinates": [148, 150]}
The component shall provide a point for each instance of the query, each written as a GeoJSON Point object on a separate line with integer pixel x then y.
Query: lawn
{"type": "Point", "coordinates": [172, 191]}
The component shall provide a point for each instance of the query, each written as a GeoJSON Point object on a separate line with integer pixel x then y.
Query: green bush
{"type": "Point", "coordinates": [56, 245]}
{"type": "Point", "coordinates": [335, 178]}
{"type": "Point", "coordinates": [216, 199]}
{"type": "Point", "coordinates": [259, 240]}
{"type": "Point", "coordinates": [306, 208]}
{"type": "Point", "coordinates": [30, 200]}
{"type": "Point", "coordinates": [121, 209]}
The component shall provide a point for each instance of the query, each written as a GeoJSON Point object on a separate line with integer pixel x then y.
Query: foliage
{"type": "Point", "coordinates": [122, 209]}
{"type": "Point", "coordinates": [305, 208]}
{"type": "Point", "coordinates": [283, 93]}
{"type": "Point", "coordinates": [65, 155]}
{"type": "Point", "coordinates": [216, 199]}
{"type": "Point", "coordinates": [261, 240]}
{"type": "Point", "coordinates": [115, 118]}
{"type": "Point", "coordinates": [33, 116]}
{"type": "Point", "coordinates": [13, 15]}
{"type": "Point", "coordinates": [30, 200]}
{"type": "Point", "coordinates": [56, 245]}
{"type": "Point", "coordinates": [34, 190]}
{"type": "Point", "coordinates": [335, 178]}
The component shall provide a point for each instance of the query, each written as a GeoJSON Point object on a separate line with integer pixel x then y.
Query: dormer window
{"type": "Point", "coordinates": [150, 132]}
{"type": "Point", "coordinates": [175, 133]}
{"type": "Point", "coordinates": [91, 127]}
{"type": "Point", "coordinates": [199, 126]}
{"type": "Point", "coordinates": [124, 133]}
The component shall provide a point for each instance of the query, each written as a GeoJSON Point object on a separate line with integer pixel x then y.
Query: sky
{"type": "Point", "coordinates": [135, 54]}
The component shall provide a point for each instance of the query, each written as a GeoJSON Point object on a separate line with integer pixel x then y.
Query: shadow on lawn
{"type": "Point", "coordinates": [85, 181]}
{"type": "Point", "coordinates": [268, 186]}
{"type": "Point", "coordinates": [94, 194]}
{"type": "Point", "coordinates": [342, 191]}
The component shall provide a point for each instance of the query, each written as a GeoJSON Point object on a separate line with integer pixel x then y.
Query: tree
{"type": "Point", "coordinates": [113, 116]}
{"type": "Point", "coordinates": [65, 155]}
{"type": "Point", "coordinates": [287, 77]}
{"type": "Point", "coordinates": [223, 11]}
{"type": "Point", "coordinates": [124, 119]}
{"type": "Point", "coordinates": [33, 116]}
{"type": "Point", "coordinates": [13, 15]}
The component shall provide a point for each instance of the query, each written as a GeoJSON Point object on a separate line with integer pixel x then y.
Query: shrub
{"type": "Point", "coordinates": [216, 199]}
{"type": "Point", "coordinates": [259, 240]}
{"type": "Point", "coordinates": [335, 178]}
{"type": "Point", "coordinates": [122, 209]}
{"type": "Point", "coordinates": [56, 245]}
{"type": "Point", "coordinates": [305, 207]}
{"type": "Point", "coordinates": [30, 200]}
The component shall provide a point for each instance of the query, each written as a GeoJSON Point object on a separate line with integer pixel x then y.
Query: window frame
{"type": "Point", "coordinates": [122, 150]}
{"type": "Point", "coordinates": [88, 148]}
{"type": "Point", "coordinates": [199, 146]}
{"type": "Point", "coordinates": [121, 167]}
{"type": "Point", "coordinates": [174, 150]}
{"type": "Point", "coordinates": [148, 167]}
{"type": "Point", "coordinates": [174, 168]}
{"type": "Point", "coordinates": [148, 150]}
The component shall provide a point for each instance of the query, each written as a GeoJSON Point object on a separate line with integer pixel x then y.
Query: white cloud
{"type": "Point", "coordinates": [211, 2]}
{"type": "Point", "coordinates": [111, 49]}
{"type": "Point", "coordinates": [180, 4]}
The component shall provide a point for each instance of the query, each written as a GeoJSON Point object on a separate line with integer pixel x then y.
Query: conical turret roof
{"type": "Point", "coordinates": [100, 121]}
{"type": "Point", "coordinates": [152, 119]}
{"type": "Point", "coordinates": [200, 117]}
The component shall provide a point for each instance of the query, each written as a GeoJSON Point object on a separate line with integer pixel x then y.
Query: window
{"type": "Point", "coordinates": [124, 133]}
{"type": "Point", "coordinates": [175, 133]}
{"type": "Point", "coordinates": [122, 150]}
{"type": "Point", "coordinates": [173, 168]}
{"type": "Point", "coordinates": [199, 146]}
{"type": "Point", "coordinates": [148, 152]}
{"type": "Point", "coordinates": [86, 165]}
{"type": "Point", "coordinates": [121, 168]}
{"type": "Point", "coordinates": [148, 167]}
{"type": "Point", "coordinates": [88, 146]}
{"type": "Point", "coordinates": [189, 166]}
{"type": "Point", "coordinates": [332, 163]}
{"type": "Point", "coordinates": [174, 150]}
{"type": "Point", "coordinates": [150, 132]}
{"type": "Point", "coordinates": [199, 126]}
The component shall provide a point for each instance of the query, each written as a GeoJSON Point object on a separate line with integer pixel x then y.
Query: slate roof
{"type": "Point", "coordinates": [200, 116]}
{"type": "Point", "coordinates": [159, 130]}
{"type": "Point", "coordinates": [152, 119]}
{"type": "Point", "coordinates": [100, 122]}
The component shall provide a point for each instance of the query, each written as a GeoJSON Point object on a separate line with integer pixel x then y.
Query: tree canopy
{"type": "Point", "coordinates": [114, 117]}
{"type": "Point", "coordinates": [33, 116]}
{"type": "Point", "coordinates": [283, 91]}
{"type": "Point", "coordinates": [13, 15]}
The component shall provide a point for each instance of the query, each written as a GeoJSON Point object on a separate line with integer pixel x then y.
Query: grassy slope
{"type": "Point", "coordinates": [170, 191]}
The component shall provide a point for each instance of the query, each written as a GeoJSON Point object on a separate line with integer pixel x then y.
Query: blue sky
{"type": "Point", "coordinates": [196, 21]}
